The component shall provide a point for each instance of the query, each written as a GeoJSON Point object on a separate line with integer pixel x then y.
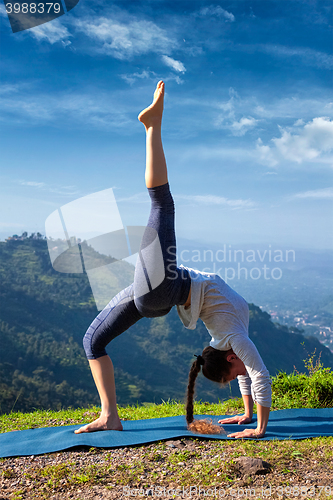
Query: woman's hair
{"type": "Point", "coordinates": [215, 367]}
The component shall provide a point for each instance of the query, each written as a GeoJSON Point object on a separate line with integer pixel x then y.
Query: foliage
{"type": "Point", "coordinates": [296, 390]}
{"type": "Point", "coordinates": [44, 315]}
{"type": "Point", "coordinates": [299, 390]}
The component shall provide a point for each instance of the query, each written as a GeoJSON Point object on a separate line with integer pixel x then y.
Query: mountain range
{"type": "Point", "coordinates": [44, 315]}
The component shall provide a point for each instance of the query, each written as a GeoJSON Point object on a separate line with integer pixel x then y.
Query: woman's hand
{"type": "Point", "coordinates": [237, 419]}
{"type": "Point", "coordinates": [247, 433]}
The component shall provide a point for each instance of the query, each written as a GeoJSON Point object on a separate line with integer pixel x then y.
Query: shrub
{"type": "Point", "coordinates": [300, 390]}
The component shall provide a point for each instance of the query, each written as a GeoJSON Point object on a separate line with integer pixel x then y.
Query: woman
{"type": "Point", "coordinates": [158, 286]}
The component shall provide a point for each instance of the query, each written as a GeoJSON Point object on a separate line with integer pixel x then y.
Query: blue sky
{"type": "Point", "coordinates": [248, 124]}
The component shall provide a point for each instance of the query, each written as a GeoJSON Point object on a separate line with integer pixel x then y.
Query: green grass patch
{"type": "Point", "coordinates": [47, 418]}
{"type": "Point", "coordinates": [296, 390]}
{"type": "Point", "coordinates": [301, 390]}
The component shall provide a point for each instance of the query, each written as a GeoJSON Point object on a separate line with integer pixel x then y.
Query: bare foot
{"type": "Point", "coordinates": [153, 114]}
{"type": "Point", "coordinates": [102, 424]}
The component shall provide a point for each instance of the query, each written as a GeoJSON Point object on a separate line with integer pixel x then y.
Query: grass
{"type": "Point", "coordinates": [209, 466]}
{"type": "Point", "coordinates": [301, 390]}
{"type": "Point", "coordinates": [208, 463]}
{"type": "Point", "coordinates": [297, 390]}
{"type": "Point", "coordinates": [47, 418]}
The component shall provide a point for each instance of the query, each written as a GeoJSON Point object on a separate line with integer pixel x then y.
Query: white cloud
{"type": "Point", "coordinates": [310, 143]}
{"type": "Point", "coordinates": [124, 40]}
{"type": "Point", "coordinates": [316, 138]}
{"type": "Point", "coordinates": [52, 32]}
{"type": "Point", "coordinates": [132, 77]}
{"type": "Point", "coordinates": [135, 198]}
{"type": "Point", "coordinates": [293, 106]}
{"type": "Point", "coordinates": [243, 125]}
{"type": "Point", "coordinates": [32, 183]}
{"type": "Point", "coordinates": [265, 154]}
{"type": "Point", "coordinates": [62, 190]}
{"type": "Point", "coordinates": [299, 123]}
{"type": "Point", "coordinates": [230, 117]}
{"type": "Point", "coordinates": [119, 35]}
{"type": "Point", "coordinates": [239, 153]}
{"type": "Point", "coordinates": [172, 63]}
{"type": "Point", "coordinates": [11, 224]}
{"type": "Point", "coordinates": [177, 79]}
{"type": "Point", "coordinates": [99, 110]}
{"type": "Point", "coordinates": [217, 200]}
{"type": "Point", "coordinates": [216, 11]}
{"type": "Point", "coordinates": [318, 194]}
{"type": "Point", "coordinates": [3, 11]}
{"type": "Point", "coordinates": [309, 56]}
{"type": "Point", "coordinates": [303, 55]}
{"type": "Point", "coordinates": [229, 106]}
{"type": "Point", "coordinates": [8, 88]}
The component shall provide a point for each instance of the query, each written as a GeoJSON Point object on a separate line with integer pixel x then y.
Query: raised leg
{"type": "Point", "coordinates": [156, 175]}
{"type": "Point", "coordinates": [171, 290]}
{"type": "Point", "coordinates": [156, 169]}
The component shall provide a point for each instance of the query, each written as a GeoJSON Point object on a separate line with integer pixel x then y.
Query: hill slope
{"type": "Point", "coordinates": [43, 317]}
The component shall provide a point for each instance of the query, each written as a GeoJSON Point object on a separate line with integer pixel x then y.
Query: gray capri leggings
{"type": "Point", "coordinates": [158, 283]}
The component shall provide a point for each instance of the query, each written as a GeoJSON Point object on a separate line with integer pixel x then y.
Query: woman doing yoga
{"type": "Point", "coordinates": [158, 286]}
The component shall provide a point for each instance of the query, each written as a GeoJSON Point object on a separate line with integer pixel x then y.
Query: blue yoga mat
{"type": "Point", "coordinates": [283, 424]}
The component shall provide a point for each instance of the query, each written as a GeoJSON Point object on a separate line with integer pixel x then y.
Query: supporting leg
{"type": "Point", "coordinates": [117, 317]}
{"type": "Point", "coordinates": [103, 374]}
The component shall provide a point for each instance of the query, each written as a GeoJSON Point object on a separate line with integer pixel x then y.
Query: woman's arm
{"type": "Point", "coordinates": [241, 419]}
{"type": "Point", "coordinates": [248, 407]}
{"type": "Point", "coordinates": [262, 420]}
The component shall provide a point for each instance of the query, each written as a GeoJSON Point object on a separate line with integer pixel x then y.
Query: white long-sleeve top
{"type": "Point", "coordinates": [226, 316]}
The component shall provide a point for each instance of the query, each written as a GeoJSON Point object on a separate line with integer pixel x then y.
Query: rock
{"type": "Point", "coordinates": [251, 466]}
{"type": "Point", "coordinates": [175, 444]}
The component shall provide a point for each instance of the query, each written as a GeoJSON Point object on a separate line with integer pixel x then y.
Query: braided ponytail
{"type": "Point", "coordinates": [194, 371]}
{"type": "Point", "coordinates": [215, 367]}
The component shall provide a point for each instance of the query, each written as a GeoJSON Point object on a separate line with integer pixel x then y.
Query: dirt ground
{"type": "Point", "coordinates": [57, 476]}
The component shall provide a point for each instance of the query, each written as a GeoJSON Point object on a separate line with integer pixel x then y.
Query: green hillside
{"type": "Point", "coordinates": [44, 315]}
